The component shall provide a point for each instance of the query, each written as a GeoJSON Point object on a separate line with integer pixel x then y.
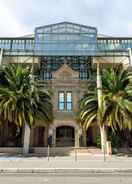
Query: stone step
{"type": "Point", "coordinates": [63, 151]}
{"type": "Point", "coordinates": [54, 151]}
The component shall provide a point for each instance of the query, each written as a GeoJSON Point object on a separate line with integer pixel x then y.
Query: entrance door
{"type": "Point", "coordinates": [39, 137]}
{"type": "Point", "coordinates": [65, 136]}
{"type": "Point", "coordinates": [89, 137]}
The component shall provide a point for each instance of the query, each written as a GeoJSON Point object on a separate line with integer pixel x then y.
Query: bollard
{"type": "Point", "coordinates": [75, 154]}
{"type": "Point", "coordinates": [104, 152]}
{"type": "Point", "coordinates": [48, 152]}
{"type": "Point", "coordinates": [54, 153]}
{"type": "Point", "coordinates": [109, 148]}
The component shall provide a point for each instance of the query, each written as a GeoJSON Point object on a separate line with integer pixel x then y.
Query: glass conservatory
{"type": "Point", "coordinates": [65, 39]}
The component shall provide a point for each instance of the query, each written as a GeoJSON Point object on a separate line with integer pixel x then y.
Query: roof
{"type": "Point", "coordinates": [63, 27]}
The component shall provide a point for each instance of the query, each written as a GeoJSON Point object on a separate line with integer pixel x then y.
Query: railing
{"type": "Point", "coordinates": [66, 52]}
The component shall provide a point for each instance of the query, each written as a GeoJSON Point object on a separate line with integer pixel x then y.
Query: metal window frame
{"type": "Point", "coordinates": [69, 102]}
{"type": "Point", "coordinates": [59, 92]}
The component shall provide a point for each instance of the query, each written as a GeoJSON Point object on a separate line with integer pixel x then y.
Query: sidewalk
{"type": "Point", "coordinates": [63, 165]}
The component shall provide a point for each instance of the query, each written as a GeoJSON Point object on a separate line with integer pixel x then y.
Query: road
{"type": "Point", "coordinates": [41, 179]}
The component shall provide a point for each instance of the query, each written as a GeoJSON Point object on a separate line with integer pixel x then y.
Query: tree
{"type": "Point", "coordinates": [117, 92]}
{"type": "Point", "coordinates": [23, 101]}
{"type": "Point", "coordinates": [116, 102]}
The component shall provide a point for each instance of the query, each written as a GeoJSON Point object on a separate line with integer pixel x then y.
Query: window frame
{"type": "Point", "coordinates": [59, 102]}
{"type": "Point", "coordinates": [69, 102]}
{"type": "Point", "coordinates": [66, 102]}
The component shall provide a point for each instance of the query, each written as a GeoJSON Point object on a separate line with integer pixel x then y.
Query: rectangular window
{"type": "Point", "coordinates": [65, 101]}
{"type": "Point", "coordinates": [68, 101]}
{"type": "Point", "coordinates": [61, 101]}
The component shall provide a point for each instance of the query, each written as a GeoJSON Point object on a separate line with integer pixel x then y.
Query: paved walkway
{"type": "Point", "coordinates": [65, 164]}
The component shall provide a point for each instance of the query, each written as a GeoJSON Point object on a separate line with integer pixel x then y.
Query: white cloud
{"type": "Point", "coordinates": [9, 24]}
{"type": "Point", "coordinates": [19, 17]}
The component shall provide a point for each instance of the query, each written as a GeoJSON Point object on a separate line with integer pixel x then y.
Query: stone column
{"type": "Point", "coordinates": [1, 55]}
{"type": "Point", "coordinates": [130, 56]}
{"type": "Point", "coordinates": [76, 137]}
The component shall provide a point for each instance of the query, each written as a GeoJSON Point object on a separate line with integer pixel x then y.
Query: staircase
{"type": "Point", "coordinates": [88, 151]}
{"type": "Point", "coordinates": [66, 151]}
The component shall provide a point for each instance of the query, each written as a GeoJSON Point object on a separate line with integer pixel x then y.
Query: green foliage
{"type": "Point", "coordinates": [116, 99]}
{"type": "Point", "coordinates": [88, 108]}
{"type": "Point", "coordinates": [115, 140]}
{"type": "Point", "coordinates": [21, 98]}
{"type": "Point", "coordinates": [98, 142]}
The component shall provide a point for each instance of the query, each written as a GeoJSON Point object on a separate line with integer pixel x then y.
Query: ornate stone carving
{"type": "Point", "coordinates": [65, 72]}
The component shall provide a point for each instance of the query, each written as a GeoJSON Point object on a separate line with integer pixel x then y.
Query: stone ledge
{"type": "Point", "coordinates": [71, 171]}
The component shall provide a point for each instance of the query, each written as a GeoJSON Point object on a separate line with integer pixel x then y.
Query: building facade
{"type": "Point", "coordinates": [64, 56]}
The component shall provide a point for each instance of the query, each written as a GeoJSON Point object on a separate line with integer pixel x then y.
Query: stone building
{"type": "Point", "coordinates": [64, 56]}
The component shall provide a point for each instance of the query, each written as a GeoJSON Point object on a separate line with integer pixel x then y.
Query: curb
{"type": "Point", "coordinates": [69, 171]}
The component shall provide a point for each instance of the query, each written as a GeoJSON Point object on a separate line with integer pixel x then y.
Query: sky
{"type": "Point", "coordinates": [110, 17]}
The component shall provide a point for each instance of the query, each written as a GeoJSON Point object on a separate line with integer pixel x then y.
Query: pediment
{"type": "Point", "coordinates": [65, 72]}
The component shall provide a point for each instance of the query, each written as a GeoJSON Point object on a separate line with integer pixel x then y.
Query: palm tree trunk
{"type": "Point", "coordinates": [102, 127]}
{"type": "Point", "coordinates": [26, 141]}
{"type": "Point", "coordinates": [84, 141]}
{"type": "Point", "coordinates": [103, 135]}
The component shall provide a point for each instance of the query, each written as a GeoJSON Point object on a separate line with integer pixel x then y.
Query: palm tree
{"type": "Point", "coordinates": [88, 107]}
{"type": "Point", "coordinates": [23, 101]}
{"type": "Point", "coordinates": [116, 102]}
{"type": "Point", "coordinates": [117, 92]}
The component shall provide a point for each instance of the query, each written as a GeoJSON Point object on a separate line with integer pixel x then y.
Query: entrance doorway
{"type": "Point", "coordinates": [89, 137]}
{"type": "Point", "coordinates": [10, 135]}
{"type": "Point", "coordinates": [65, 136]}
{"type": "Point", "coordinates": [39, 133]}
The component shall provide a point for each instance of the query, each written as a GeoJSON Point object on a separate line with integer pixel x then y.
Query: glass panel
{"type": "Point", "coordinates": [69, 106]}
{"type": "Point", "coordinates": [81, 64]}
{"type": "Point", "coordinates": [66, 39]}
{"type": "Point", "coordinates": [69, 101]}
{"type": "Point", "coordinates": [5, 44]}
{"type": "Point", "coordinates": [61, 106]}
{"type": "Point", "coordinates": [114, 44]}
{"type": "Point", "coordinates": [61, 97]}
{"type": "Point", "coordinates": [61, 101]}
{"type": "Point", "coordinates": [69, 97]}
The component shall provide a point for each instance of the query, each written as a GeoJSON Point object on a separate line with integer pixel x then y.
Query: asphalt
{"type": "Point", "coordinates": [66, 165]}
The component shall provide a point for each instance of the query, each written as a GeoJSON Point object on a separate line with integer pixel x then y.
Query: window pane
{"type": "Point", "coordinates": [69, 106]}
{"type": "Point", "coordinates": [61, 106]}
{"type": "Point", "coordinates": [69, 101]}
{"type": "Point", "coordinates": [61, 97]}
{"type": "Point", "coordinates": [61, 101]}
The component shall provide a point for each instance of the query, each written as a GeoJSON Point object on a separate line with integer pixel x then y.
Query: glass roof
{"type": "Point", "coordinates": [66, 27]}
{"type": "Point", "coordinates": [65, 39]}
